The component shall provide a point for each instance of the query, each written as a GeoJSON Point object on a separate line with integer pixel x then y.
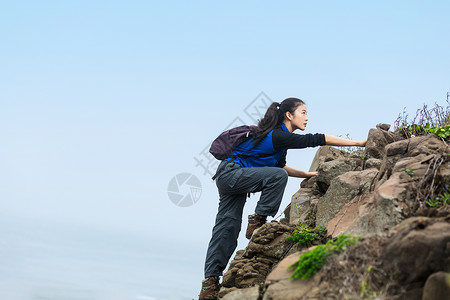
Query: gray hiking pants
{"type": "Point", "coordinates": [234, 182]}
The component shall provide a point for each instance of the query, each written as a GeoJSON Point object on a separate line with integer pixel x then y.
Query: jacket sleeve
{"type": "Point", "coordinates": [282, 162]}
{"type": "Point", "coordinates": [287, 140]}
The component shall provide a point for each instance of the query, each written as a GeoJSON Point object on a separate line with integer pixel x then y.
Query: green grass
{"type": "Point", "coordinates": [304, 235]}
{"type": "Point", "coordinates": [418, 130]}
{"type": "Point", "coordinates": [311, 262]}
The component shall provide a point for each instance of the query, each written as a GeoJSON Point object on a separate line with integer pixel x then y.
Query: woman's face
{"type": "Point", "coordinates": [299, 119]}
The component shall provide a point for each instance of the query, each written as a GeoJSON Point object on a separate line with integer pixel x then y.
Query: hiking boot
{"type": "Point", "coordinates": [210, 289]}
{"type": "Point", "coordinates": [254, 222]}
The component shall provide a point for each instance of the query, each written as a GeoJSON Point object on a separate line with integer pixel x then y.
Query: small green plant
{"type": "Point", "coordinates": [415, 129]}
{"type": "Point", "coordinates": [305, 235]}
{"type": "Point", "coordinates": [433, 201]}
{"type": "Point", "coordinates": [441, 200]}
{"type": "Point", "coordinates": [426, 120]}
{"type": "Point", "coordinates": [442, 132]}
{"type": "Point", "coordinates": [311, 262]}
{"type": "Point", "coordinates": [366, 289]}
{"type": "Point", "coordinates": [409, 172]}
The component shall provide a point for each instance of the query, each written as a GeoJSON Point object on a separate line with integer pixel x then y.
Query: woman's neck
{"type": "Point", "coordinates": [288, 126]}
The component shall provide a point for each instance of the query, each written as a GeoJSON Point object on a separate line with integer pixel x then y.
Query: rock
{"type": "Point", "coordinates": [324, 154]}
{"type": "Point", "coordinates": [385, 209]}
{"type": "Point", "coordinates": [347, 218]}
{"type": "Point", "coordinates": [343, 189]}
{"type": "Point", "coordinates": [225, 290]}
{"type": "Point", "coordinates": [437, 287]}
{"type": "Point", "coordinates": [287, 213]}
{"type": "Point", "coordinates": [270, 240]}
{"type": "Point", "coordinates": [327, 171]}
{"type": "Point", "coordinates": [266, 247]}
{"type": "Point", "coordinates": [417, 166]}
{"type": "Point", "coordinates": [309, 182]}
{"type": "Point", "coordinates": [418, 248]}
{"type": "Point", "coordinates": [280, 287]}
{"type": "Point", "coordinates": [429, 144]}
{"type": "Point", "coordinates": [393, 153]}
{"type": "Point", "coordinates": [394, 199]}
{"type": "Point", "coordinates": [423, 148]}
{"type": "Point", "coordinates": [412, 294]}
{"type": "Point", "coordinates": [383, 126]}
{"type": "Point", "coordinates": [420, 147]}
{"type": "Point", "coordinates": [246, 272]}
{"type": "Point", "coordinates": [378, 139]}
{"type": "Point", "coordinates": [373, 163]}
{"type": "Point", "coordinates": [301, 203]}
{"type": "Point", "coordinates": [444, 173]}
{"type": "Point", "coordinates": [376, 142]}
{"type": "Point", "coordinates": [397, 148]}
{"type": "Point", "coordinates": [251, 293]}
{"type": "Point", "coordinates": [281, 272]}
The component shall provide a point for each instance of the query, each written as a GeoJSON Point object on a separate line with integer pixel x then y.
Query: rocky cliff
{"type": "Point", "coordinates": [392, 194]}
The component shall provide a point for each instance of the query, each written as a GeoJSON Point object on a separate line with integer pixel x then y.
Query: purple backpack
{"type": "Point", "coordinates": [222, 147]}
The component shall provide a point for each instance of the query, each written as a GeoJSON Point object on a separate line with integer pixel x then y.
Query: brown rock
{"type": "Point", "coordinates": [266, 247]}
{"type": "Point", "coordinates": [419, 247]}
{"type": "Point", "coordinates": [324, 154]}
{"type": "Point", "coordinates": [417, 165]}
{"type": "Point", "coordinates": [327, 171]}
{"type": "Point", "coordinates": [270, 241]}
{"type": "Point", "coordinates": [373, 163]}
{"type": "Point", "coordinates": [280, 272]}
{"type": "Point", "coordinates": [279, 286]}
{"type": "Point", "coordinates": [397, 148]}
{"type": "Point", "coordinates": [386, 208]}
{"type": "Point", "coordinates": [383, 126]}
{"type": "Point", "coordinates": [301, 204]}
{"type": "Point", "coordinates": [251, 293]}
{"type": "Point", "coordinates": [343, 189]}
{"type": "Point", "coordinates": [309, 182]}
{"type": "Point", "coordinates": [346, 219]}
{"type": "Point", "coordinates": [437, 287]}
{"type": "Point", "coordinates": [429, 144]}
{"type": "Point", "coordinates": [376, 142]}
{"type": "Point", "coordinates": [246, 272]}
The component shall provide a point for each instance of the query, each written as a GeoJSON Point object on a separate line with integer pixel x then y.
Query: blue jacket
{"type": "Point", "coordinates": [265, 146]}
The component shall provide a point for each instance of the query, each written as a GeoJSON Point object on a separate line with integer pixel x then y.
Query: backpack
{"type": "Point", "coordinates": [222, 147]}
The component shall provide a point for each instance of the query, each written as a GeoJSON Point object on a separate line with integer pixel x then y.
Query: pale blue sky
{"type": "Point", "coordinates": [103, 102]}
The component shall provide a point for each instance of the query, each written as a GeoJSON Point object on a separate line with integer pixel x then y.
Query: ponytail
{"type": "Point", "coordinates": [274, 116]}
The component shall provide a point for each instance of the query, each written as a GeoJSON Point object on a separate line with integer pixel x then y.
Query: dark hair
{"type": "Point", "coordinates": [274, 116]}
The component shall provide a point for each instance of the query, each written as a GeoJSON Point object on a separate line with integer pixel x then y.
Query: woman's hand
{"type": "Point", "coordinates": [362, 143]}
{"type": "Point", "coordinates": [310, 174]}
{"type": "Point", "coordinates": [332, 140]}
{"type": "Point", "coordinates": [297, 173]}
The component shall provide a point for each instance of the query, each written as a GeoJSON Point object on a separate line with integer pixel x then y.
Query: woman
{"type": "Point", "coordinates": [239, 176]}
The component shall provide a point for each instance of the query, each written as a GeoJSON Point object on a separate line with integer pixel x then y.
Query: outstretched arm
{"type": "Point", "coordinates": [297, 173]}
{"type": "Point", "coordinates": [338, 141]}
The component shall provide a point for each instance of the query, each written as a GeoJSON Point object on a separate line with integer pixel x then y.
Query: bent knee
{"type": "Point", "coordinates": [282, 174]}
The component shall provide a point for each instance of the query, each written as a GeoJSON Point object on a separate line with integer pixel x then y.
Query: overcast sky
{"type": "Point", "coordinates": [102, 103]}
